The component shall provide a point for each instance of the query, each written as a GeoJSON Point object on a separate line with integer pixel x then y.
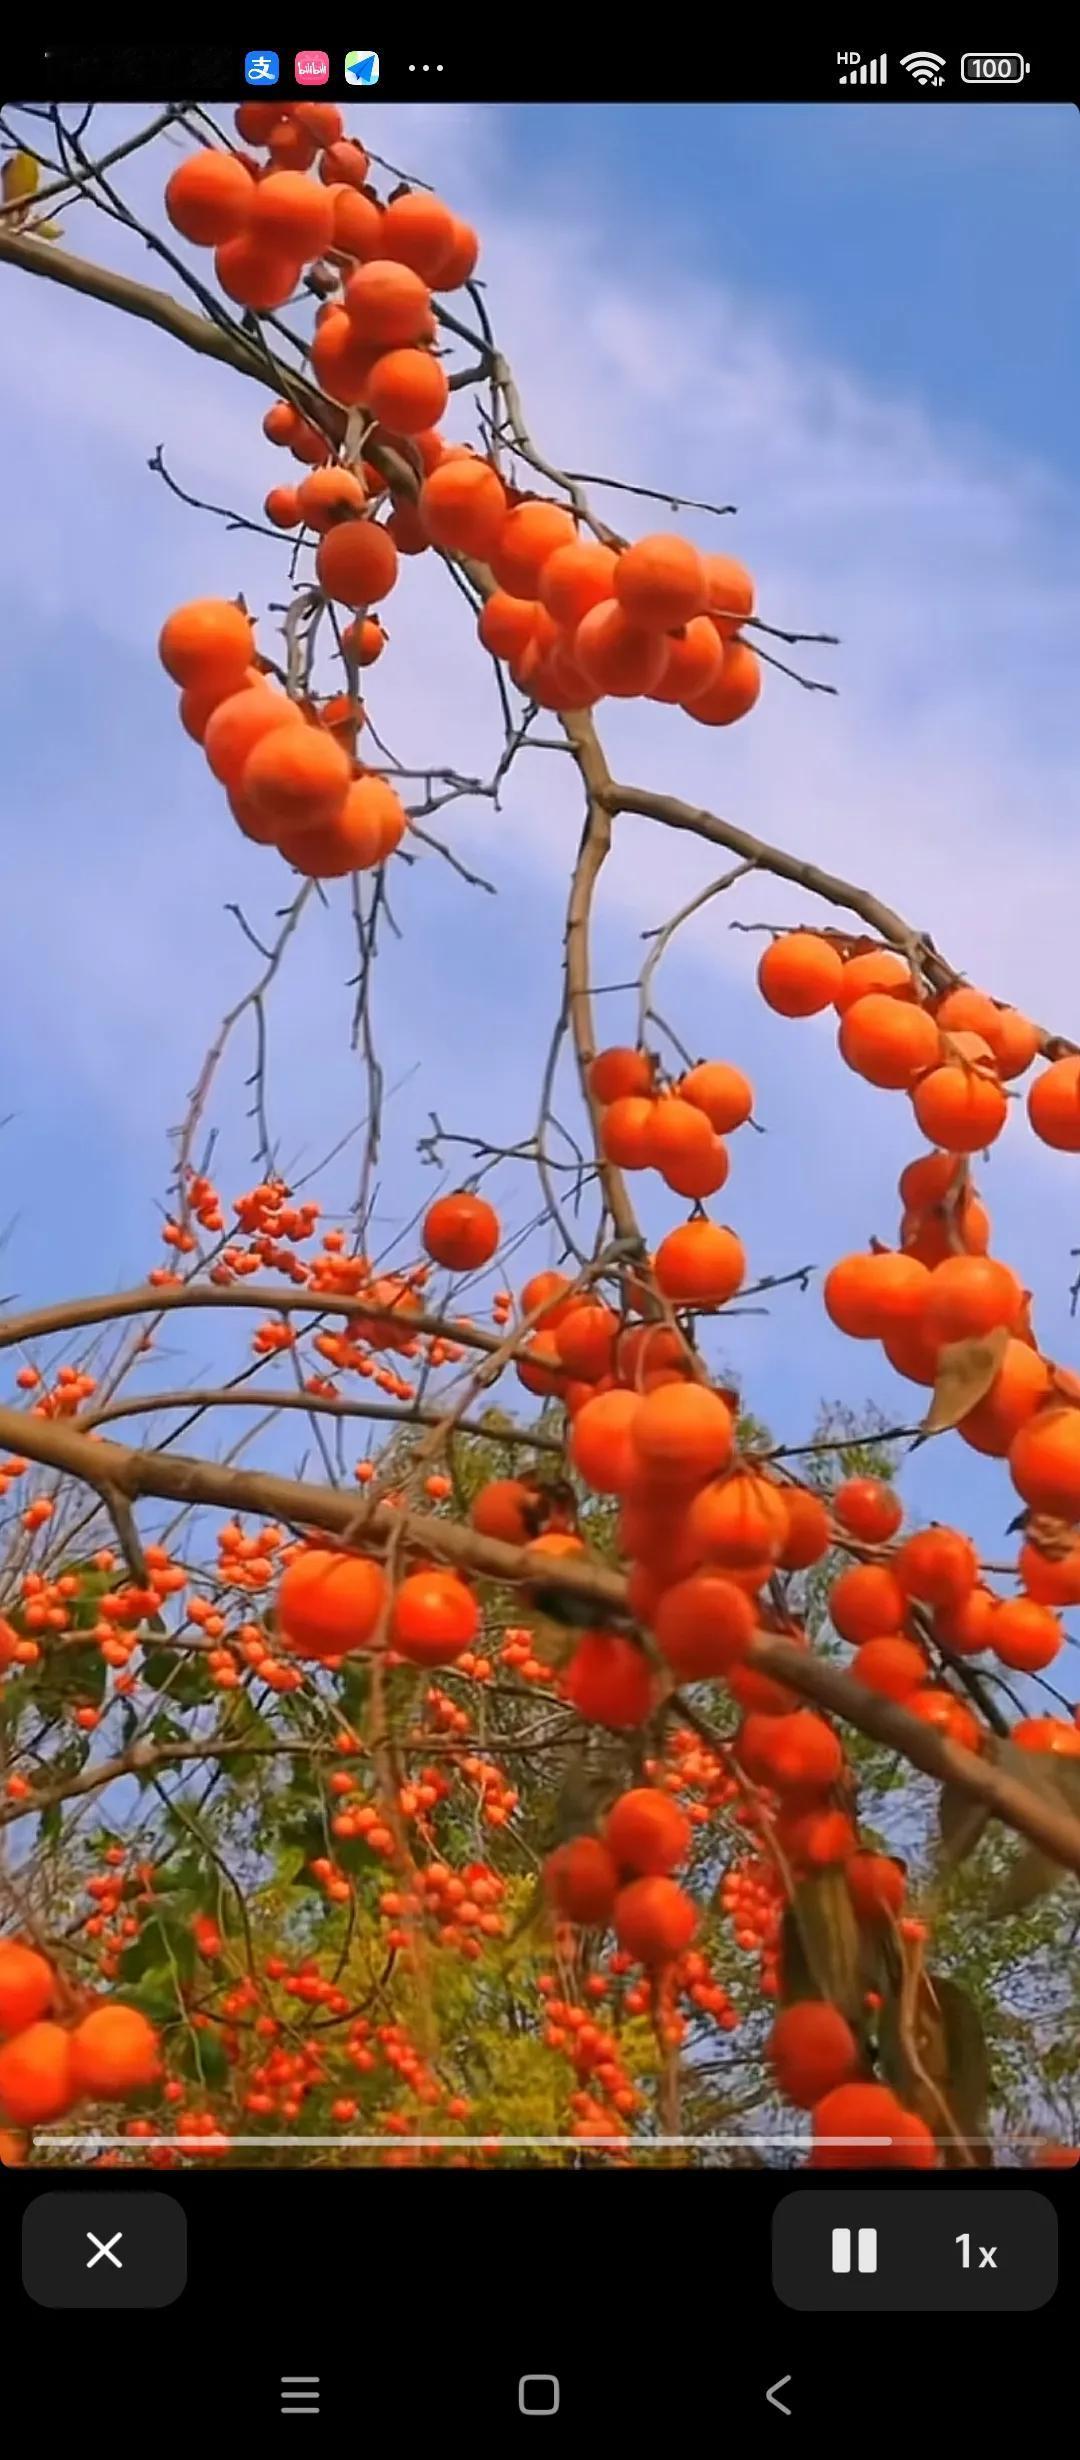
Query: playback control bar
{"type": "Point", "coordinates": [905, 2251]}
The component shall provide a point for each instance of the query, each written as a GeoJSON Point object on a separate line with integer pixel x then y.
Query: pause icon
{"type": "Point", "coordinates": [867, 2250]}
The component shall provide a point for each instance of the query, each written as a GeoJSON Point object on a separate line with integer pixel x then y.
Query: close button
{"type": "Point", "coordinates": [84, 2249]}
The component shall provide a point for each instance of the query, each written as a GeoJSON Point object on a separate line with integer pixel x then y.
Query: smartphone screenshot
{"type": "Point", "coordinates": [540, 1240]}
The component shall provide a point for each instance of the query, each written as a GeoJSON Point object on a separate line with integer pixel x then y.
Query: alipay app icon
{"type": "Point", "coordinates": [261, 68]}
{"type": "Point", "coordinates": [361, 68]}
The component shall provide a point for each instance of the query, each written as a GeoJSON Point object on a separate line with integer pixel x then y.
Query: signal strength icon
{"type": "Point", "coordinates": [924, 66]}
{"type": "Point", "coordinates": [867, 72]}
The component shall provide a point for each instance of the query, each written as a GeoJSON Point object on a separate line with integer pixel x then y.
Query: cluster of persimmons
{"type": "Point", "coordinates": [575, 616]}
{"type": "Point", "coordinates": [52, 2054]}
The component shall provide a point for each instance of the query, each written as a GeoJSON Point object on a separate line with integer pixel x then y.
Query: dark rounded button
{"type": "Point", "coordinates": [915, 2250]}
{"type": "Point", "coordinates": [82, 2249]}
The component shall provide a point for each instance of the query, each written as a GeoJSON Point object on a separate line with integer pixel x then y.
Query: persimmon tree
{"type": "Point", "coordinates": [581, 1763]}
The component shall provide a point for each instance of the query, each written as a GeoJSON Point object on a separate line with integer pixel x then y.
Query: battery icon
{"type": "Point", "coordinates": [994, 68]}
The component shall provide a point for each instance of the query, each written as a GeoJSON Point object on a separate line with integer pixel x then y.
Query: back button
{"type": "Point", "coordinates": [87, 2250]}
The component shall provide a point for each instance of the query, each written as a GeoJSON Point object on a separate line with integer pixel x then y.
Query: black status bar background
{"type": "Point", "coordinates": [746, 66]}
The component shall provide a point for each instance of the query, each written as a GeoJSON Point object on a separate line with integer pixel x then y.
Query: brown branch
{"type": "Point", "coordinates": [248, 355]}
{"type": "Point", "coordinates": [69, 1315]}
{"type": "Point", "coordinates": [72, 184]}
{"type": "Point", "coordinates": [177, 1477]}
{"type": "Point", "coordinates": [252, 998]}
{"type": "Point", "coordinates": [330, 1405]}
{"type": "Point", "coordinates": [592, 855]}
{"type": "Point", "coordinates": [513, 431]}
{"type": "Point", "coordinates": [144, 1757]}
{"type": "Point", "coordinates": [578, 1006]}
{"type": "Point", "coordinates": [881, 919]}
{"type": "Point", "coordinates": [651, 495]}
{"type": "Point", "coordinates": [976, 1775]}
{"type": "Point", "coordinates": [154, 307]}
{"type": "Point", "coordinates": [446, 1421]}
{"type": "Point", "coordinates": [662, 937]}
{"type": "Point", "coordinates": [113, 1467]}
{"type": "Point", "coordinates": [130, 1543]}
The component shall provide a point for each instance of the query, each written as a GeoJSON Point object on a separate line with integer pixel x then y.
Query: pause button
{"type": "Point", "coordinates": [867, 2250]}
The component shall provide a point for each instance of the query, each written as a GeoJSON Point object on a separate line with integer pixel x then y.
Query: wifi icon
{"type": "Point", "coordinates": [924, 66]}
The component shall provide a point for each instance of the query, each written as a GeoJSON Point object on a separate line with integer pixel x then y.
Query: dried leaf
{"type": "Point", "coordinates": [820, 1955]}
{"type": "Point", "coordinates": [357, 425]}
{"type": "Point", "coordinates": [966, 2077]}
{"type": "Point", "coordinates": [1022, 1328]}
{"type": "Point", "coordinates": [961, 1824]}
{"type": "Point", "coordinates": [1032, 1875]}
{"type": "Point", "coordinates": [48, 230]}
{"type": "Point", "coordinates": [590, 1785]}
{"type": "Point", "coordinates": [881, 1963]}
{"type": "Point", "coordinates": [559, 1621]}
{"type": "Point", "coordinates": [1053, 1774]}
{"type": "Point", "coordinates": [19, 178]}
{"type": "Point", "coordinates": [554, 1637]}
{"type": "Point", "coordinates": [1053, 1538]}
{"type": "Point", "coordinates": [966, 1370]}
{"type": "Point", "coordinates": [914, 2054]}
{"type": "Point", "coordinates": [534, 1919]}
{"type": "Point", "coordinates": [1066, 1383]}
{"type": "Point", "coordinates": [932, 2051]}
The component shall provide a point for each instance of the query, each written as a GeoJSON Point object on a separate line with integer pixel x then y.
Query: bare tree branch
{"type": "Point", "coordinates": [881, 919]}
{"type": "Point", "coordinates": [322, 1404]}
{"type": "Point", "coordinates": [113, 1467]}
{"type": "Point", "coordinates": [69, 1315]}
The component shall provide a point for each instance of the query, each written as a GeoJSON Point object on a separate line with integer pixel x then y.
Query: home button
{"type": "Point", "coordinates": [538, 2395]}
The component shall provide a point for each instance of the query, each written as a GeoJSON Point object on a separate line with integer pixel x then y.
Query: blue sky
{"type": "Point", "coordinates": [858, 324]}
{"type": "Point", "coordinates": [937, 250]}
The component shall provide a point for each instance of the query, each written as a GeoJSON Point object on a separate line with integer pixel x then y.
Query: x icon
{"type": "Point", "coordinates": [104, 2248]}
